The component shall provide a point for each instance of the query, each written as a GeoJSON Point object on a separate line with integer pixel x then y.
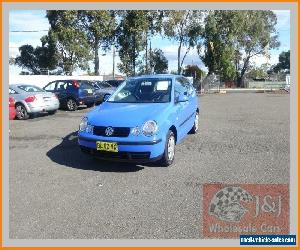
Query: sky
{"type": "Point", "coordinates": [35, 20]}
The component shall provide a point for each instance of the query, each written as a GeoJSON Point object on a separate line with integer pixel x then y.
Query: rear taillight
{"type": "Point", "coordinates": [11, 102]}
{"type": "Point", "coordinates": [76, 84]}
{"type": "Point", "coordinates": [30, 99]}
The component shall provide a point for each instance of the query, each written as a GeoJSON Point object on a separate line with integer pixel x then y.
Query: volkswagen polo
{"type": "Point", "coordinates": [142, 121]}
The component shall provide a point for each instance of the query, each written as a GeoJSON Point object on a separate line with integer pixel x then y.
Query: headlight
{"type": "Point", "coordinates": [150, 128]}
{"type": "Point", "coordinates": [83, 124]}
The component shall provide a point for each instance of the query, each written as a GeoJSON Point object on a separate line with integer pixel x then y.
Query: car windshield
{"type": "Point", "coordinates": [30, 88]}
{"type": "Point", "coordinates": [143, 91]}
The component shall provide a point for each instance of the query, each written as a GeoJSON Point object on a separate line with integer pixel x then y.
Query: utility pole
{"type": "Point", "coordinates": [114, 55]}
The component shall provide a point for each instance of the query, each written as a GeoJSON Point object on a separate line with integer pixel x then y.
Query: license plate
{"type": "Point", "coordinates": [90, 91]}
{"type": "Point", "coordinates": [107, 146]}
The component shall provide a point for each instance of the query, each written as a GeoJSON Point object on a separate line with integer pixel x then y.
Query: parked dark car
{"type": "Point", "coordinates": [115, 83]}
{"type": "Point", "coordinates": [73, 93]}
{"type": "Point", "coordinates": [103, 90]}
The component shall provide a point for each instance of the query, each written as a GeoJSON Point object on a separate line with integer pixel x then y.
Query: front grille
{"type": "Point", "coordinates": [117, 155]}
{"type": "Point", "coordinates": [118, 131]}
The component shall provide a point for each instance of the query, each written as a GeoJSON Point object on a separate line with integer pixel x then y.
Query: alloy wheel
{"type": "Point", "coordinates": [171, 147]}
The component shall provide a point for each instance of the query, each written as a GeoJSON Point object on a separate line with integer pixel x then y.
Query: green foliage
{"type": "Point", "coordinates": [71, 41]}
{"type": "Point", "coordinates": [35, 60]}
{"type": "Point", "coordinates": [194, 71]}
{"type": "Point", "coordinates": [99, 27]}
{"type": "Point", "coordinates": [259, 72]}
{"type": "Point", "coordinates": [284, 62]}
{"type": "Point", "coordinates": [131, 39]}
{"type": "Point", "coordinates": [184, 27]}
{"type": "Point", "coordinates": [233, 37]}
{"type": "Point", "coordinates": [158, 62]}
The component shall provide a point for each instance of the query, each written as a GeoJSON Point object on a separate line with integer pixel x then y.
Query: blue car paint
{"type": "Point", "coordinates": [180, 116]}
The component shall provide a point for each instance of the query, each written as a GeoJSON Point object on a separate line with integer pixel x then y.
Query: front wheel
{"type": "Point", "coordinates": [169, 153]}
{"type": "Point", "coordinates": [195, 127]}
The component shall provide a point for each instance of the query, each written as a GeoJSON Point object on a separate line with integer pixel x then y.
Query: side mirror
{"type": "Point", "coordinates": [106, 97]}
{"type": "Point", "coordinates": [181, 98]}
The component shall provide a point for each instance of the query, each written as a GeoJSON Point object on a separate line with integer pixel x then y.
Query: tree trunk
{"type": "Point", "coordinates": [146, 66]}
{"type": "Point", "coordinates": [178, 59]}
{"type": "Point", "coordinates": [133, 61]}
{"type": "Point", "coordinates": [96, 57]}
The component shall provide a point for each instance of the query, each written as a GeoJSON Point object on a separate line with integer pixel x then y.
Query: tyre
{"type": "Point", "coordinates": [105, 97]}
{"type": "Point", "coordinates": [169, 153]}
{"type": "Point", "coordinates": [90, 105]}
{"type": "Point", "coordinates": [71, 104]}
{"type": "Point", "coordinates": [195, 127]}
{"type": "Point", "coordinates": [21, 112]}
{"type": "Point", "coordinates": [52, 112]}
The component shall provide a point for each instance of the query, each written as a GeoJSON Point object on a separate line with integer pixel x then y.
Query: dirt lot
{"type": "Point", "coordinates": [57, 192]}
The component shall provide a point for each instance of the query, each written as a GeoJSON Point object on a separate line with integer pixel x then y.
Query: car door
{"type": "Point", "coordinates": [182, 108]}
{"type": "Point", "coordinates": [192, 103]}
{"type": "Point", "coordinates": [61, 90]}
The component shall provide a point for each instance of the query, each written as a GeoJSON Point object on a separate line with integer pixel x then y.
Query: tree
{"type": "Point", "coordinates": [131, 39]}
{"type": "Point", "coordinates": [158, 62]}
{"type": "Point", "coordinates": [71, 41]}
{"type": "Point", "coordinates": [35, 60]}
{"type": "Point", "coordinates": [284, 63]}
{"type": "Point", "coordinates": [99, 26]}
{"type": "Point", "coordinates": [259, 72]}
{"type": "Point", "coordinates": [233, 37]}
{"type": "Point", "coordinates": [194, 71]}
{"type": "Point", "coordinates": [184, 27]}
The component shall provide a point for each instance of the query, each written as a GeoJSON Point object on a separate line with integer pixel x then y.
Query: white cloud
{"type": "Point", "coordinates": [28, 20]}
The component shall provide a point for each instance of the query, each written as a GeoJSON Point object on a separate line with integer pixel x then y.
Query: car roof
{"type": "Point", "coordinates": [156, 76]}
{"type": "Point", "coordinates": [22, 84]}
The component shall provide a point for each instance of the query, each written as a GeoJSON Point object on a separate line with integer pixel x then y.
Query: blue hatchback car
{"type": "Point", "coordinates": [142, 121]}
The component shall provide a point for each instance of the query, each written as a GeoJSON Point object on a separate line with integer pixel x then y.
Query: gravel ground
{"type": "Point", "coordinates": [57, 192]}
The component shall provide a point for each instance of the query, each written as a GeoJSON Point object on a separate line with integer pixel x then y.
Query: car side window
{"type": "Point", "coordinates": [61, 85]}
{"type": "Point", "coordinates": [12, 91]}
{"type": "Point", "coordinates": [180, 87]}
{"type": "Point", "coordinates": [50, 86]}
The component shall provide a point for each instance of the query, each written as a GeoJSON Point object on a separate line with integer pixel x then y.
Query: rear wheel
{"type": "Point", "coordinates": [169, 153]}
{"type": "Point", "coordinates": [52, 112]}
{"type": "Point", "coordinates": [71, 105]}
{"type": "Point", "coordinates": [21, 112]}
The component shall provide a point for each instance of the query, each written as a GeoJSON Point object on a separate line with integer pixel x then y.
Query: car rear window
{"type": "Point", "coordinates": [85, 85]}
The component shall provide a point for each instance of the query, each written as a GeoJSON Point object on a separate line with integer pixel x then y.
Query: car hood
{"type": "Point", "coordinates": [126, 114]}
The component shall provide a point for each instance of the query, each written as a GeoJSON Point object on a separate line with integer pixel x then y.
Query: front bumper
{"type": "Point", "coordinates": [128, 151]}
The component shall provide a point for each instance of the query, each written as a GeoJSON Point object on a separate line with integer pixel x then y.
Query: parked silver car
{"type": "Point", "coordinates": [31, 99]}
